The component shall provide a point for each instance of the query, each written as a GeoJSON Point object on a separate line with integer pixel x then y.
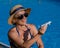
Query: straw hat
{"type": "Point", "coordinates": [14, 10]}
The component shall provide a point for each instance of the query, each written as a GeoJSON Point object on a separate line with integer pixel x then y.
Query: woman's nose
{"type": "Point", "coordinates": [24, 17]}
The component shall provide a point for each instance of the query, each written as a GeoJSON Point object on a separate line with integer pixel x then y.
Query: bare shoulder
{"type": "Point", "coordinates": [33, 29]}
{"type": "Point", "coordinates": [32, 25]}
{"type": "Point", "coordinates": [12, 31]}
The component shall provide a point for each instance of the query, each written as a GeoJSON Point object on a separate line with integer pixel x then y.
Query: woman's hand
{"type": "Point", "coordinates": [42, 29]}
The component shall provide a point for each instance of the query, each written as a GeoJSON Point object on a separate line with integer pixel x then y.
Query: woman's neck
{"type": "Point", "coordinates": [20, 26]}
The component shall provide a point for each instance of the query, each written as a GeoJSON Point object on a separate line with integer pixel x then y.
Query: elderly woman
{"type": "Point", "coordinates": [23, 35]}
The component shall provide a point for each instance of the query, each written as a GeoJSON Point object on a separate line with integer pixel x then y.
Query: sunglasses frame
{"type": "Point", "coordinates": [21, 16]}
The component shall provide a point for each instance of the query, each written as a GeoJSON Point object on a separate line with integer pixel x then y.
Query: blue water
{"type": "Point", "coordinates": [41, 11]}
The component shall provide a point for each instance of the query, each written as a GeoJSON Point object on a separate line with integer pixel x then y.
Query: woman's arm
{"type": "Point", "coordinates": [19, 42]}
{"type": "Point", "coordinates": [41, 31]}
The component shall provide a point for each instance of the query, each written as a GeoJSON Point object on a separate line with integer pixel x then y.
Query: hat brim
{"type": "Point", "coordinates": [11, 17]}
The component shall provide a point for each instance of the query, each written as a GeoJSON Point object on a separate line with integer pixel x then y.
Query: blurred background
{"type": "Point", "coordinates": [42, 11]}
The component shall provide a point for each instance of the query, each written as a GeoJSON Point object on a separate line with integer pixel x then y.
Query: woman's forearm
{"type": "Point", "coordinates": [28, 43]}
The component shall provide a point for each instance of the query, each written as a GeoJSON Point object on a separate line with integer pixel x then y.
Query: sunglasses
{"type": "Point", "coordinates": [21, 16]}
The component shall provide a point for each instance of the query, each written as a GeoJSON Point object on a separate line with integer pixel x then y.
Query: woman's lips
{"type": "Point", "coordinates": [23, 20]}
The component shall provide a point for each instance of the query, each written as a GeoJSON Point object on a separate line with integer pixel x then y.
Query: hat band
{"type": "Point", "coordinates": [16, 10]}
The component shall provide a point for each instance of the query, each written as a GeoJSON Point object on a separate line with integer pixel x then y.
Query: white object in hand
{"type": "Point", "coordinates": [48, 23]}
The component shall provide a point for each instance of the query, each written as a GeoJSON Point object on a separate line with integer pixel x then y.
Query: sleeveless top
{"type": "Point", "coordinates": [25, 38]}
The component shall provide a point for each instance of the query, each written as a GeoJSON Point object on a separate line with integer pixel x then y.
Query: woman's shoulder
{"type": "Point", "coordinates": [31, 25]}
{"type": "Point", "coordinates": [33, 29]}
{"type": "Point", "coordinates": [12, 30]}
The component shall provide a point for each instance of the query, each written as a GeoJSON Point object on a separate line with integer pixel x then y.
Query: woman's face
{"type": "Point", "coordinates": [21, 17]}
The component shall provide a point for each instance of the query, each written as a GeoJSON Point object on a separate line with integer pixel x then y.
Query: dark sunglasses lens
{"type": "Point", "coordinates": [20, 17]}
{"type": "Point", "coordinates": [26, 14]}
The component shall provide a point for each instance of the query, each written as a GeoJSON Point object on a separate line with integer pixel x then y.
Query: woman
{"type": "Point", "coordinates": [23, 35]}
